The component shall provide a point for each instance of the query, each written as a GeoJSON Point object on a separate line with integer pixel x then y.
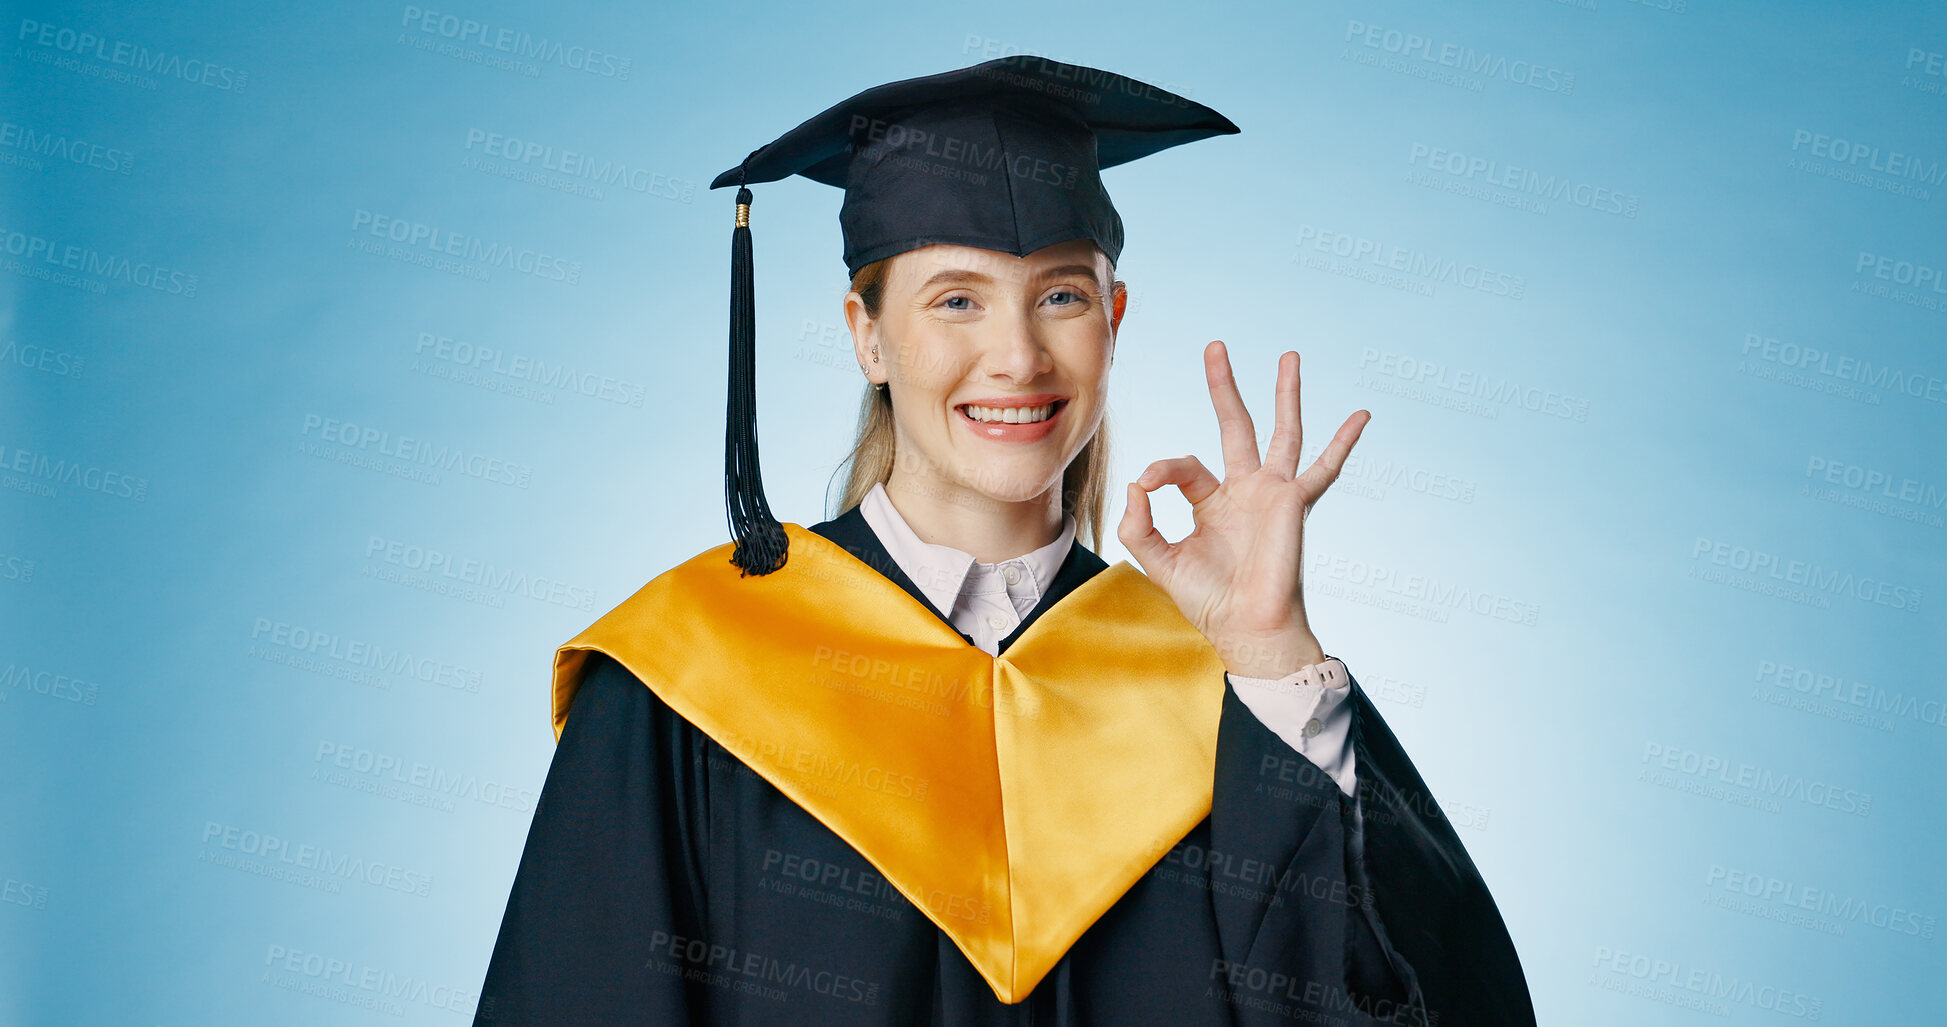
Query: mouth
{"type": "Point", "coordinates": [1013, 420]}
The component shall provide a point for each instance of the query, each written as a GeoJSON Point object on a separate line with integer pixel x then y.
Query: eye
{"type": "Point", "coordinates": [958, 302]}
{"type": "Point", "coordinates": [1066, 297]}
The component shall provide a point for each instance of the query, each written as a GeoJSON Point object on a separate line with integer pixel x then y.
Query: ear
{"type": "Point", "coordinates": [865, 335]}
{"type": "Point", "coordinates": [1118, 304]}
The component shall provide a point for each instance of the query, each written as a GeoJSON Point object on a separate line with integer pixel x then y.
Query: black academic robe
{"type": "Point", "coordinates": [665, 882]}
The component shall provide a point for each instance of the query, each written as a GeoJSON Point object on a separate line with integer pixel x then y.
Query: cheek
{"type": "Point", "coordinates": [920, 384]}
{"type": "Point", "coordinates": [928, 365]}
{"type": "Point", "coordinates": [1087, 366]}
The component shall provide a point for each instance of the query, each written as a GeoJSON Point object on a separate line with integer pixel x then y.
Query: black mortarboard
{"type": "Point", "coordinates": [1002, 156]}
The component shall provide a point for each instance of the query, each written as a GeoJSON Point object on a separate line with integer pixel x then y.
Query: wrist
{"type": "Point", "coordinates": [1272, 656]}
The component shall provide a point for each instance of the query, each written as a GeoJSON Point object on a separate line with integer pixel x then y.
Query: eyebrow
{"type": "Point", "coordinates": [961, 277]}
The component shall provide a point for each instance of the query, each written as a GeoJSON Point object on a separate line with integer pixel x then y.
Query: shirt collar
{"type": "Point", "coordinates": [941, 571]}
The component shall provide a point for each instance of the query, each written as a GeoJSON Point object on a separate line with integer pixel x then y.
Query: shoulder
{"type": "Point", "coordinates": [608, 705]}
{"type": "Point", "coordinates": [606, 682]}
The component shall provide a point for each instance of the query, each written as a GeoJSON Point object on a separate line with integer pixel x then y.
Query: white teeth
{"type": "Point", "coordinates": [1011, 415]}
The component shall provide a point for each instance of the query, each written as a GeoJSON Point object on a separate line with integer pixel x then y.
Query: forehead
{"type": "Point", "coordinates": [914, 267]}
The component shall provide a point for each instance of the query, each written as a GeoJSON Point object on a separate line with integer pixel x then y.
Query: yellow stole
{"type": "Point", "coordinates": [1012, 798]}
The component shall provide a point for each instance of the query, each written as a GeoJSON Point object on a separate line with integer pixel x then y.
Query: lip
{"type": "Point", "coordinates": [1013, 432]}
{"type": "Point", "coordinates": [1033, 399]}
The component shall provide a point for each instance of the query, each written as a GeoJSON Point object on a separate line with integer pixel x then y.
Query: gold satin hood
{"type": "Point", "coordinates": [1012, 798]}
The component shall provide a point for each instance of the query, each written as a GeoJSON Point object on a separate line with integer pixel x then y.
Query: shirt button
{"type": "Point", "coordinates": [1313, 727]}
{"type": "Point", "coordinates": [1012, 574]}
{"type": "Point", "coordinates": [996, 621]}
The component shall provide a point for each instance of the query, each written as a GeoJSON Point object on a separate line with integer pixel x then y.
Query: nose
{"type": "Point", "coordinates": [1015, 350]}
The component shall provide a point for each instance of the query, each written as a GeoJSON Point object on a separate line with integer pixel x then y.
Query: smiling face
{"type": "Point", "coordinates": [997, 365]}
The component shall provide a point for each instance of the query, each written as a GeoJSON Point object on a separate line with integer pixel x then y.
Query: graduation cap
{"type": "Point", "coordinates": [1004, 155]}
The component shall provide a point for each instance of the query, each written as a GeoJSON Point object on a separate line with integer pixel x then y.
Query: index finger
{"type": "Point", "coordinates": [1233, 421]}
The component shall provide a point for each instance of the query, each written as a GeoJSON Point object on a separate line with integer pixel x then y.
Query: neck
{"type": "Point", "coordinates": [991, 530]}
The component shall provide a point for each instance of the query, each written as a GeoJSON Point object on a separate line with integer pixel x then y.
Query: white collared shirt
{"type": "Point", "coordinates": [987, 601]}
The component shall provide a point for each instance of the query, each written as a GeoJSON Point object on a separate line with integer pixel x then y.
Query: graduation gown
{"type": "Point", "coordinates": [667, 881]}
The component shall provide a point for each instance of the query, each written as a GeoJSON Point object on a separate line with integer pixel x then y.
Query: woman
{"type": "Point", "coordinates": [932, 760]}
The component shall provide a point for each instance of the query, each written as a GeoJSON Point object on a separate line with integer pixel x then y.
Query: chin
{"type": "Point", "coordinates": [1015, 481]}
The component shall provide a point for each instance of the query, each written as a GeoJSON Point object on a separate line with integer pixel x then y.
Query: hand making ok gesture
{"type": "Point", "coordinates": [1238, 576]}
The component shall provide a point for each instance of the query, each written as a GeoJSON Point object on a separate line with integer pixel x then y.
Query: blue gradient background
{"type": "Point", "coordinates": [148, 711]}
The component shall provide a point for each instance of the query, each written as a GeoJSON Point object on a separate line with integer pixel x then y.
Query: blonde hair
{"type": "Point", "coordinates": [1084, 485]}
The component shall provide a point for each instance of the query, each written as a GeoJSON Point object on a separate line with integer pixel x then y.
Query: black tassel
{"type": "Point", "coordinates": [761, 543]}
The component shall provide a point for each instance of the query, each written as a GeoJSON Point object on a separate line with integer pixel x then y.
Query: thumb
{"type": "Point", "coordinates": [1138, 533]}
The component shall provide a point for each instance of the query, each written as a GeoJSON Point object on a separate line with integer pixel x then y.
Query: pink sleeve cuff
{"type": "Point", "coordinates": [1307, 709]}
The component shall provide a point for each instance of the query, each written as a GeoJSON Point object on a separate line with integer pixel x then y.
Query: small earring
{"type": "Point", "coordinates": [875, 354]}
